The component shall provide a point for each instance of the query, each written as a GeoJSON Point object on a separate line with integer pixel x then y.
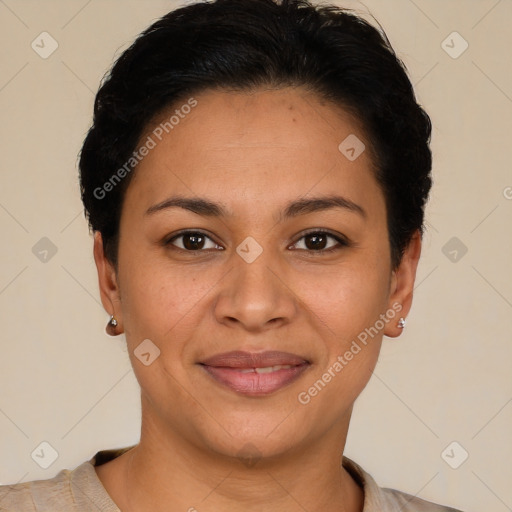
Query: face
{"type": "Point", "coordinates": [254, 257]}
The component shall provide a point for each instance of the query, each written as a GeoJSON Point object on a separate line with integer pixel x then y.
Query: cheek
{"type": "Point", "coordinates": [160, 301]}
{"type": "Point", "coordinates": [347, 305]}
{"type": "Point", "coordinates": [159, 304]}
{"type": "Point", "coordinates": [347, 300]}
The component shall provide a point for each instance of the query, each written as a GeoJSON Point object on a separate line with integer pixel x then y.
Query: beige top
{"type": "Point", "coordinates": [80, 490]}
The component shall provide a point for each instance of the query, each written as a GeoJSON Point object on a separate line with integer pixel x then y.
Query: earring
{"type": "Point", "coordinates": [401, 323]}
{"type": "Point", "coordinates": [111, 326]}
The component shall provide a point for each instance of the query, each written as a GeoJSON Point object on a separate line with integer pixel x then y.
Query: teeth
{"type": "Point", "coordinates": [267, 369]}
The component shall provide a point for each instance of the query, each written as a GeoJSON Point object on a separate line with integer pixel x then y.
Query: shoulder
{"type": "Point", "coordinates": [37, 495]}
{"type": "Point", "coordinates": [77, 490]}
{"type": "Point", "coordinates": [378, 499]}
{"type": "Point", "coordinates": [408, 503]}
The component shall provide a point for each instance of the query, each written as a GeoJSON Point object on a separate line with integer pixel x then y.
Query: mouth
{"type": "Point", "coordinates": [255, 373]}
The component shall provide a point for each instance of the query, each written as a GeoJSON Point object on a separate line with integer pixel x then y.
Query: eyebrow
{"type": "Point", "coordinates": [208, 208]}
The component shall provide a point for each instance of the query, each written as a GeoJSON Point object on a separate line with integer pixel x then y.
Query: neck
{"type": "Point", "coordinates": [164, 472]}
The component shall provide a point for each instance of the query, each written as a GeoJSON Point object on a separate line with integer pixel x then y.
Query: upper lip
{"type": "Point", "coordinates": [241, 359]}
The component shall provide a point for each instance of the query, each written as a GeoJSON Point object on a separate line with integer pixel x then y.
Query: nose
{"type": "Point", "coordinates": [256, 296]}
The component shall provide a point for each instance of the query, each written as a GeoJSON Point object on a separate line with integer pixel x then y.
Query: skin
{"type": "Point", "coordinates": [253, 153]}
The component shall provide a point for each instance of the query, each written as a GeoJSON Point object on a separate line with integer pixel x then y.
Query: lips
{"type": "Point", "coordinates": [240, 359]}
{"type": "Point", "coordinates": [255, 373]}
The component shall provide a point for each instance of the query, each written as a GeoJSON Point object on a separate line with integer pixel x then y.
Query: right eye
{"type": "Point", "coordinates": [191, 241]}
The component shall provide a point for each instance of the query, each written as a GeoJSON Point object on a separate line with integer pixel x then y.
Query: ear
{"type": "Point", "coordinates": [402, 284]}
{"type": "Point", "coordinates": [109, 289]}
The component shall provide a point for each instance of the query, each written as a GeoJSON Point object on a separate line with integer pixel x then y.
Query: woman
{"type": "Point", "coordinates": [255, 179]}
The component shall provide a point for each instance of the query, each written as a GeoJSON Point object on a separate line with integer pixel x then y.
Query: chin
{"type": "Point", "coordinates": [254, 436]}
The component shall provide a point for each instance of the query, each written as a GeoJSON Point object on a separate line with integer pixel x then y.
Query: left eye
{"type": "Point", "coordinates": [318, 241]}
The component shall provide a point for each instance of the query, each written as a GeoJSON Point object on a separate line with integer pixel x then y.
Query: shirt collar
{"type": "Point", "coordinates": [374, 499]}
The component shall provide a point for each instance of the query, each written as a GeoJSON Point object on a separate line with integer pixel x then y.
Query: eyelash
{"type": "Point", "coordinates": [342, 242]}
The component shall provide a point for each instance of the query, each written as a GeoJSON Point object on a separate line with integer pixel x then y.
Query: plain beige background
{"type": "Point", "coordinates": [448, 378]}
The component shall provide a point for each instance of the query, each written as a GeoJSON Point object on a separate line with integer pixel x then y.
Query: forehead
{"type": "Point", "coordinates": [260, 145]}
{"type": "Point", "coordinates": [288, 117]}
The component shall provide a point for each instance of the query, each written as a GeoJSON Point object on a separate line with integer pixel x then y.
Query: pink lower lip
{"type": "Point", "coordinates": [255, 384]}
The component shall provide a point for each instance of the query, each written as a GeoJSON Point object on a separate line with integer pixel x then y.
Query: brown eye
{"type": "Point", "coordinates": [320, 241]}
{"type": "Point", "coordinates": [192, 241]}
{"type": "Point", "coordinates": [316, 241]}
